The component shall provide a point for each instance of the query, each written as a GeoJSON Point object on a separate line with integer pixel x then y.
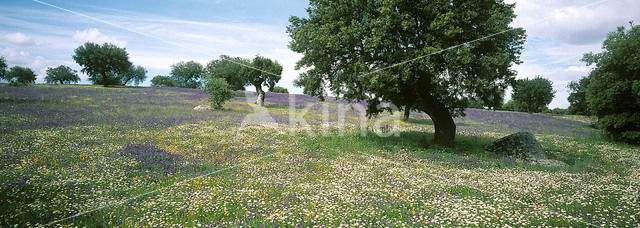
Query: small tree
{"type": "Point", "coordinates": [136, 74]}
{"type": "Point", "coordinates": [61, 74]}
{"type": "Point", "coordinates": [163, 81]}
{"type": "Point", "coordinates": [231, 69]}
{"type": "Point", "coordinates": [613, 91]}
{"type": "Point", "coordinates": [3, 68]}
{"type": "Point", "coordinates": [278, 89]}
{"type": "Point", "coordinates": [104, 64]}
{"type": "Point", "coordinates": [187, 74]}
{"type": "Point", "coordinates": [532, 95]}
{"type": "Point", "coordinates": [265, 72]}
{"type": "Point", "coordinates": [218, 90]}
{"type": "Point", "coordinates": [21, 75]}
{"type": "Point", "coordinates": [578, 96]}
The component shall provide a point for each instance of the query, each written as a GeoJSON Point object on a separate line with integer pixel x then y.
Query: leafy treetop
{"type": "Point", "coordinates": [61, 74]}
{"type": "Point", "coordinates": [187, 74]}
{"type": "Point", "coordinates": [104, 64]}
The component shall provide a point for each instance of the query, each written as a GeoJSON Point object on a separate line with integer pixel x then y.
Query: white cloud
{"type": "Point", "coordinates": [560, 32]}
{"type": "Point", "coordinates": [574, 22]}
{"type": "Point", "coordinates": [18, 38]}
{"type": "Point", "coordinates": [94, 35]}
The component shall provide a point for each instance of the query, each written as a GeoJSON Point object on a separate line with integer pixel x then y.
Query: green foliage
{"type": "Point", "coordinates": [61, 74]}
{"type": "Point", "coordinates": [3, 68]}
{"type": "Point", "coordinates": [313, 86]}
{"type": "Point", "coordinates": [510, 106]}
{"type": "Point", "coordinates": [231, 69]}
{"type": "Point", "coordinates": [278, 89]}
{"type": "Point", "coordinates": [163, 81]}
{"type": "Point", "coordinates": [21, 75]}
{"type": "Point", "coordinates": [560, 111]}
{"type": "Point", "coordinates": [218, 90]}
{"type": "Point", "coordinates": [613, 91]}
{"type": "Point", "coordinates": [268, 75]}
{"type": "Point", "coordinates": [187, 74]}
{"type": "Point", "coordinates": [578, 96]}
{"type": "Point", "coordinates": [532, 95]}
{"type": "Point", "coordinates": [136, 74]}
{"type": "Point", "coordinates": [104, 64]}
{"type": "Point", "coordinates": [475, 104]}
{"type": "Point", "coordinates": [347, 43]}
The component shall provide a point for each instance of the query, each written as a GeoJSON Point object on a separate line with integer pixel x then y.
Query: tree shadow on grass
{"type": "Point", "coordinates": [420, 121]}
{"type": "Point", "coordinates": [467, 150]}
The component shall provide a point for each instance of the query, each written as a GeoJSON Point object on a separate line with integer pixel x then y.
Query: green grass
{"type": "Point", "coordinates": [266, 176]}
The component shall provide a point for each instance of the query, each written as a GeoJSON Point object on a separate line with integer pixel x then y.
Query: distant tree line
{"type": "Point", "coordinates": [16, 75]}
{"type": "Point", "coordinates": [225, 74]}
{"type": "Point", "coordinates": [611, 91]}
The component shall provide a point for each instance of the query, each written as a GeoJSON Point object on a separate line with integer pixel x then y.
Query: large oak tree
{"type": "Point", "coordinates": [613, 91]}
{"type": "Point", "coordinates": [105, 64]}
{"type": "Point", "coordinates": [353, 45]}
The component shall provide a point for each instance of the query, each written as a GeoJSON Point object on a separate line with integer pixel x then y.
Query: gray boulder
{"type": "Point", "coordinates": [521, 145]}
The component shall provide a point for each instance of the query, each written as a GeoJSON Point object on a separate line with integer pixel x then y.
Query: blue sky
{"type": "Point", "coordinates": [159, 33]}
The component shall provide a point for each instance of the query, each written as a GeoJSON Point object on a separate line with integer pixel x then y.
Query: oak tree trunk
{"type": "Point", "coordinates": [445, 128]}
{"type": "Point", "coordinates": [407, 112]}
{"type": "Point", "coordinates": [260, 100]}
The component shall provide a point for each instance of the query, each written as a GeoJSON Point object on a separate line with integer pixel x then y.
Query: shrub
{"type": "Point", "coordinates": [218, 90]}
{"type": "Point", "coordinates": [560, 111]}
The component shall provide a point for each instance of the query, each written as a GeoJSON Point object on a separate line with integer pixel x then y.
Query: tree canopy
{"type": "Point", "coordinates": [163, 81]}
{"type": "Point", "coordinates": [229, 68]}
{"type": "Point", "coordinates": [264, 72]}
{"type": "Point", "coordinates": [23, 75]}
{"type": "Point", "coordinates": [104, 64]}
{"type": "Point", "coordinates": [61, 74]}
{"type": "Point", "coordinates": [187, 74]}
{"type": "Point", "coordinates": [353, 46]}
{"type": "Point", "coordinates": [613, 91]}
{"type": "Point", "coordinates": [578, 96]}
{"type": "Point", "coordinates": [313, 86]}
{"type": "Point", "coordinates": [532, 95]}
{"type": "Point", "coordinates": [3, 68]}
{"type": "Point", "coordinates": [278, 89]}
{"type": "Point", "coordinates": [135, 74]}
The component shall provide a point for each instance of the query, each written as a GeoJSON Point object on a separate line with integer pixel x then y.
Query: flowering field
{"type": "Point", "coordinates": [133, 157]}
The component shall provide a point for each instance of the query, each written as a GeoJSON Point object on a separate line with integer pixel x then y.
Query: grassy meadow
{"type": "Point", "coordinates": [143, 157]}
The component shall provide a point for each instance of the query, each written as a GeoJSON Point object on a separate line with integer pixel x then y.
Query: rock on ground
{"type": "Point", "coordinates": [521, 145]}
{"type": "Point", "coordinates": [202, 107]}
